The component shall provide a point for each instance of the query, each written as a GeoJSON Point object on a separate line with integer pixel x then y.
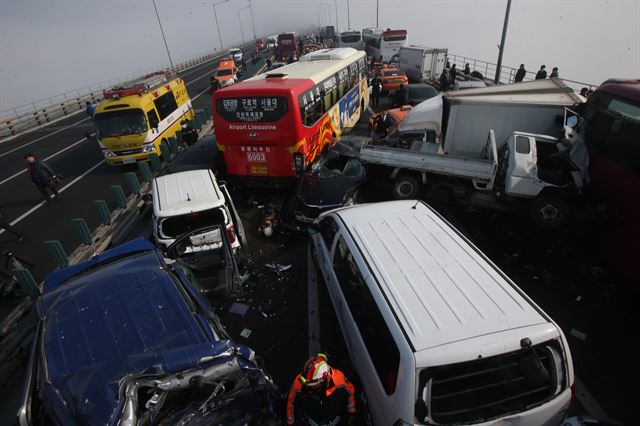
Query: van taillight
{"type": "Point", "coordinates": [231, 234]}
{"type": "Point", "coordinates": [573, 391]}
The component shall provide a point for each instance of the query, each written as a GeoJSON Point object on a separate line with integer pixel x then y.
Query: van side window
{"type": "Point", "coordinates": [165, 105]}
{"type": "Point", "coordinates": [328, 229]}
{"type": "Point", "coordinates": [375, 333]}
{"type": "Point", "coordinates": [152, 116]}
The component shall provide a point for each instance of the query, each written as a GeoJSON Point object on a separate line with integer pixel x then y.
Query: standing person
{"type": "Point", "coordinates": [554, 73]}
{"type": "Point", "coordinates": [542, 73]}
{"type": "Point", "coordinates": [375, 91]}
{"type": "Point", "coordinates": [583, 91]}
{"type": "Point", "coordinates": [321, 395]}
{"type": "Point", "coordinates": [42, 177]}
{"type": "Point", "coordinates": [90, 109]}
{"type": "Point", "coordinates": [383, 124]}
{"type": "Point", "coordinates": [467, 69]}
{"type": "Point", "coordinates": [4, 224]}
{"type": "Point", "coordinates": [453, 72]}
{"type": "Point", "coordinates": [444, 80]}
{"type": "Point", "coordinates": [402, 97]}
{"type": "Point", "coordinates": [520, 74]}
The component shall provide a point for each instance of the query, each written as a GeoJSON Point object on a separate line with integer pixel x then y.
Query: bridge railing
{"type": "Point", "coordinates": [507, 74]}
{"type": "Point", "coordinates": [18, 120]}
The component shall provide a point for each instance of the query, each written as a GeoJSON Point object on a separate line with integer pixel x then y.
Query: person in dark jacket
{"type": "Point", "coordinates": [402, 96]}
{"type": "Point", "coordinates": [376, 86]}
{"type": "Point", "coordinates": [554, 73]}
{"type": "Point", "coordinates": [520, 74]}
{"type": "Point", "coordinates": [467, 69]}
{"type": "Point", "coordinates": [453, 72]}
{"type": "Point", "coordinates": [444, 80]}
{"type": "Point", "coordinates": [44, 179]}
{"type": "Point", "coordinates": [4, 224]}
{"type": "Point", "coordinates": [542, 73]}
{"type": "Point", "coordinates": [383, 124]}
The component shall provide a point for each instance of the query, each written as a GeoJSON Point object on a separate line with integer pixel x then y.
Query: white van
{"type": "Point", "coordinates": [186, 201]}
{"type": "Point", "coordinates": [436, 332]}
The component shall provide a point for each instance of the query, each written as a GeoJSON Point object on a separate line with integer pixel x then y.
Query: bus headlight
{"type": "Point", "coordinates": [298, 162]}
{"type": "Point", "coordinates": [108, 154]}
{"type": "Point", "coordinates": [148, 148]}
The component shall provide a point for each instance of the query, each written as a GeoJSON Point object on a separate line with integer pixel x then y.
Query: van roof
{"type": "Point", "coordinates": [186, 192]}
{"type": "Point", "coordinates": [441, 287]}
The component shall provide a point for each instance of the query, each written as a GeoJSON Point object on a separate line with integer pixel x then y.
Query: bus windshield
{"type": "Point", "coordinates": [119, 123]}
{"type": "Point", "coordinates": [395, 37]}
{"type": "Point", "coordinates": [254, 109]}
{"type": "Point", "coordinates": [351, 38]}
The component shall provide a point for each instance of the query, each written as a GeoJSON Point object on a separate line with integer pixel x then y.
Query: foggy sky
{"type": "Point", "coordinates": [49, 47]}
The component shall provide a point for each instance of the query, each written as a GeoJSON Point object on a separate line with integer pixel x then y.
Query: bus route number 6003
{"type": "Point", "coordinates": [256, 157]}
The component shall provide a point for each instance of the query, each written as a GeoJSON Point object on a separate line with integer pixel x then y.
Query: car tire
{"type": "Point", "coordinates": [405, 187]}
{"type": "Point", "coordinates": [549, 212]}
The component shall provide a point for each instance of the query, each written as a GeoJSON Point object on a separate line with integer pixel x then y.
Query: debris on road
{"type": "Point", "coordinates": [239, 309]}
{"type": "Point", "coordinates": [578, 334]}
{"type": "Point", "coordinates": [245, 333]}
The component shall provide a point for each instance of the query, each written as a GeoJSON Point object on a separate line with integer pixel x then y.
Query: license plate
{"type": "Point", "coordinates": [256, 157]}
{"type": "Point", "coordinates": [128, 160]}
{"type": "Point", "coordinates": [259, 170]}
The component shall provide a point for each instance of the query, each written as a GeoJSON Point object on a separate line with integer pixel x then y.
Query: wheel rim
{"type": "Point", "coordinates": [549, 212]}
{"type": "Point", "coordinates": [405, 189]}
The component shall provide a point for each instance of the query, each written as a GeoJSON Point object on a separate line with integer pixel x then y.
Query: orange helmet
{"type": "Point", "coordinates": [316, 371]}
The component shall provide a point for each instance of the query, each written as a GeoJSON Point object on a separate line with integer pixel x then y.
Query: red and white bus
{"type": "Point", "coordinates": [383, 44]}
{"type": "Point", "coordinates": [275, 124]}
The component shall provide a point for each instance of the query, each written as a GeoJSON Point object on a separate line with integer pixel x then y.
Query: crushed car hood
{"type": "Point", "coordinates": [328, 188]}
{"type": "Point", "coordinates": [114, 317]}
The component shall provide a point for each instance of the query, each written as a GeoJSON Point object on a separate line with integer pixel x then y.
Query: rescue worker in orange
{"type": "Point", "coordinates": [320, 395]}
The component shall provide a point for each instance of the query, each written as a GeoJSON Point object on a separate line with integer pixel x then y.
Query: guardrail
{"type": "Point", "coordinates": [507, 74]}
{"type": "Point", "coordinates": [22, 119]}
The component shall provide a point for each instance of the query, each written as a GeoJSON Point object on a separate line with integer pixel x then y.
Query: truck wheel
{"type": "Point", "coordinates": [405, 187]}
{"type": "Point", "coordinates": [549, 212]}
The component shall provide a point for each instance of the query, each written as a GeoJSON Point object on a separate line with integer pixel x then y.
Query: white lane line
{"type": "Point", "coordinates": [47, 158]}
{"type": "Point", "coordinates": [64, 188]}
{"type": "Point", "coordinates": [312, 305]}
{"type": "Point", "coordinates": [200, 94]}
{"type": "Point", "coordinates": [43, 137]}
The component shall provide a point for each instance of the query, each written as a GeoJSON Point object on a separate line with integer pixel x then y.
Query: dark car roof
{"type": "Point", "coordinates": [200, 155]}
{"type": "Point", "coordinates": [422, 89]}
{"type": "Point", "coordinates": [118, 314]}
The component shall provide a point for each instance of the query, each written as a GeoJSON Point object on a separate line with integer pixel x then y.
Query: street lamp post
{"type": "Point", "coordinates": [336, 6]}
{"type": "Point", "coordinates": [502, 41]}
{"type": "Point", "coordinates": [377, 12]}
{"type": "Point", "coordinates": [348, 15]}
{"type": "Point", "coordinates": [240, 21]}
{"type": "Point", "coordinates": [162, 32]}
{"type": "Point", "coordinates": [253, 22]}
{"type": "Point", "coordinates": [215, 15]}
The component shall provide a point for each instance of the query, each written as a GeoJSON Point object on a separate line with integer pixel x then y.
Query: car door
{"type": "Point", "coordinates": [235, 218]}
{"type": "Point", "coordinates": [522, 174]}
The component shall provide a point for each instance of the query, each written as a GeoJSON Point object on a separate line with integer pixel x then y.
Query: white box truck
{"type": "Point", "coordinates": [488, 145]}
{"type": "Point", "coordinates": [422, 63]}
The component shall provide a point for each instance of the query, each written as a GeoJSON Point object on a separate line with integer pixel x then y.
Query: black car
{"type": "Point", "coordinates": [331, 182]}
{"type": "Point", "coordinates": [200, 156]}
{"type": "Point", "coordinates": [418, 92]}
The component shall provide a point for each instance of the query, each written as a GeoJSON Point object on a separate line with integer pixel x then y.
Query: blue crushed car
{"type": "Point", "coordinates": [124, 339]}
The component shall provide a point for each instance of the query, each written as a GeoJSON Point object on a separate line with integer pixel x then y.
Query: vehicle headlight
{"type": "Point", "coordinates": [149, 148]}
{"type": "Point", "coordinates": [108, 154]}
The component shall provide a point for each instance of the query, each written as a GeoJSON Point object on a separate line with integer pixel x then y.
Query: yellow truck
{"type": "Point", "coordinates": [136, 117]}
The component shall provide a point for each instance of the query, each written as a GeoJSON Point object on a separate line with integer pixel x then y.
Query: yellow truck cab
{"type": "Point", "coordinates": [136, 117]}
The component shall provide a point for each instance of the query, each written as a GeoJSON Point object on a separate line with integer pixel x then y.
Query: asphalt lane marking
{"type": "Point", "coordinates": [64, 188]}
{"type": "Point", "coordinates": [312, 304]}
{"type": "Point", "coordinates": [43, 137]}
{"type": "Point", "coordinates": [45, 159]}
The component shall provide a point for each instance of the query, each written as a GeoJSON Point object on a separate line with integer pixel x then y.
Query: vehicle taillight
{"type": "Point", "coordinates": [573, 391]}
{"type": "Point", "coordinates": [161, 247]}
{"type": "Point", "coordinates": [231, 234]}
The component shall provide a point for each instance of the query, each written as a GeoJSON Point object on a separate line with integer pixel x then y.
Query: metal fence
{"type": "Point", "coordinates": [21, 119]}
{"type": "Point", "coordinates": [507, 74]}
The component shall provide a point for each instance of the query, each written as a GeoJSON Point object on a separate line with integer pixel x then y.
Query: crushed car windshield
{"type": "Point", "coordinates": [175, 226]}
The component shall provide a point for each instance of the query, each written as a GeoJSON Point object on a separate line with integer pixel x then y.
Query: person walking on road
{"type": "Point", "coordinates": [376, 87]}
{"type": "Point", "coordinates": [321, 395]}
{"type": "Point", "coordinates": [542, 73]}
{"type": "Point", "coordinates": [520, 74]}
{"type": "Point", "coordinates": [90, 109]}
{"type": "Point", "coordinates": [554, 73]}
{"type": "Point", "coordinates": [43, 177]}
{"type": "Point", "coordinates": [4, 224]}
